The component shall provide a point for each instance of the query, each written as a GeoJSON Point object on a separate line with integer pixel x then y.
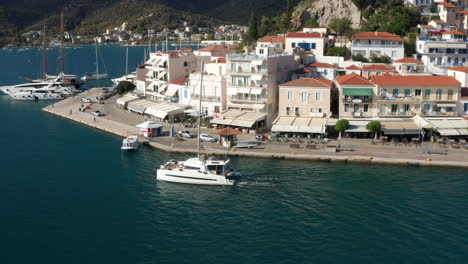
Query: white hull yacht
{"type": "Point", "coordinates": [130, 143]}
{"type": "Point", "coordinates": [198, 171]}
{"type": "Point", "coordinates": [39, 94]}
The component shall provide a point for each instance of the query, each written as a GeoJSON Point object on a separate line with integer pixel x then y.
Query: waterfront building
{"type": "Point", "coordinates": [213, 51]}
{"type": "Point", "coordinates": [356, 97]}
{"type": "Point", "coordinates": [252, 83]}
{"type": "Point", "coordinates": [214, 88]}
{"type": "Point", "coordinates": [419, 3]}
{"type": "Point", "coordinates": [312, 43]}
{"type": "Point", "coordinates": [377, 69]}
{"type": "Point", "coordinates": [463, 20]}
{"type": "Point", "coordinates": [440, 25]}
{"type": "Point", "coordinates": [271, 41]}
{"type": "Point", "coordinates": [442, 51]}
{"type": "Point", "coordinates": [173, 89]}
{"type": "Point", "coordinates": [322, 70]}
{"type": "Point", "coordinates": [463, 109]}
{"type": "Point", "coordinates": [371, 44]}
{"type": "Point", "coordinates": [461, 74]}
{"type": "Point", "coordinates": [407, 96]}
{"type": "Point", "coordinates": [164, 68]}
{"type": "Point", "coordinates": [409, 66]}
{"type": "Point", "coordinates": [302, 73]}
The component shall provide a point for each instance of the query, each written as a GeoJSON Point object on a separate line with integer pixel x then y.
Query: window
{"type": "Point", "coordinates": [406, 107]}
{"type": "Point", "coordinates": [185, 93]}
{"type": "Point", "coordinates": [296, 110]}
{"type": "Point", "coordinates": [305, 97]}
{"type": "Point", "coordinates": [314, 46]}
{"type": "Point", "coordinates": [383, 108]}
{"type": "Point", "coordinates": [383, 92]}
{"type": "Point", "coordinates": [439, 94]}
{"type": "Point", "coordinates": [290, 95]}
{"type": "Point", "coordinates": [293, 45]}
{"type": "Point", "coordinates": [394, 108]}
{"type": "Point", "coordinates": [320, 110]}
{"type": "Point", "coordinates": [318, 96]}
{"type": "Point", "coordinates": [186, 64]}
{"type": "Point", "coordinates": [417, 92]}
{"type": "Point", "coordinates": [312, 110]}
{"type": "Point", "coordinates": [427, 93]}
{"type": "Point", "coordinates": [366, 108]}
{"type": "Point", "coordinates": [346, 107]}
{"type": "Point", "coordinates": [288, 110]}
{"type": "Point", "coordinates": [427, 108]}
{"type": "Point", "coordinates": [394, 54]}
{"type": "Point", "coordinates": [407, 92]}
{"type": "Point", "coordinates": [450, 94]}
{"type": "Point", "coordinates": [261, 51]}
{"type": "Point", "coordinates": [395, 93]}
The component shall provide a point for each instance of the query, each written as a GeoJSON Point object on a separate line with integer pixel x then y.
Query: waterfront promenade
{"type": "Point", "coordinates": [122, 123]}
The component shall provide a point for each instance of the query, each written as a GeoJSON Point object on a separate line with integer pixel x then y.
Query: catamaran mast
{"type": "Point", "coordinates": [62, 58]}
{"type": "Point", "coordinates": [200, 108]}
{"type": "Point", "coordinates": [44, 54]}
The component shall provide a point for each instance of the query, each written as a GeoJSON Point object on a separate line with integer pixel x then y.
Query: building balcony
{"type": "Point", "coordinates": [443, 99]}
{"type": "Point", "coordinates": [400, 99]}
{"type": "Point", "coordinates": [378, 46]}
{"type": "Point", "coordinates": [439, 113]}
{"type": "Point", "coordinates": [206, 98]}
{"type": "Point", "coordinates": [246, 100]}
{"type": "Point", "coordinates": [348, 100]}
{"type": "Point", "coordinates": [397, 114]}
{"type": "Point", "coordinates": [243, 73]}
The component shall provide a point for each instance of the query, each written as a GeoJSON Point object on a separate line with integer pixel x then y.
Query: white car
{"type": "Point", "coordinates": [185, 133]}
{"type": "Point", "coordinates": [86, 100]}
{"type": "Point", "coordinates": [207, 138]}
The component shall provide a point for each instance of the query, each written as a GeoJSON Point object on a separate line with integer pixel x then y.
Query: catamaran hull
{"type": "Point", "coordinates": [192, 177]}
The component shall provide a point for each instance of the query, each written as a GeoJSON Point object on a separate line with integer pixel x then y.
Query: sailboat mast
{"type": "Point", "coordinates": [62, 58]}
{"type": "Point", "coordinates": [97, 61]}
{"type": "Point", "coordinates": [200, 108]}
{"type": "Point", "coordinates": [126, 62]}
{"type": "Point", "coordinates": [44, 54]}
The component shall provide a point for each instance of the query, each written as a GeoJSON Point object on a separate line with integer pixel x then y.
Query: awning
{"type": "Point", "coordinates": [232, 91]}
{"type": "Point", "coordinates": [140, 106]}
{"type": "Point", "coordinates": [358, 127]}
{"type": "Point", "coordinates": [463, 132]}
{"type": "Point", "coordinates": [256, 91]}
{"type": "Point", "coordinates": [243, 123]}
{"type": "Point", "coordinates": [446, 105]}
{"type": "Point", "coordinates": [448, 132]}
{"type": "Point", "coordinates": [238, 118]}
{"type": "Point", "coordinates": [357, 91]}
{"type": "Point", "coordinates": [162, 110]}
{"type": "Point", "coordinates": [126, 98]}
{"type": "Point", "coordinates": [171, 92]}
{"type": "Point", "coordinates": [162, 88]}
{"type": "Point", "coordinates": [290, 124]}
{"type": "Point", "coordinates": [400, 128]}
{"type": "Point", "coordinates": [244, 90]}
{"type": "Point", "coordinates": [148, 125]}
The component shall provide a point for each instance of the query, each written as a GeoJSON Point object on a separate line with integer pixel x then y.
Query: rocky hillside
{"type": "Point", "coordinates": [324, 11]}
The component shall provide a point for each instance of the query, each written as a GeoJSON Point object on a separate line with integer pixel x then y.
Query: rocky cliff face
{"type": "Point", "coordinates": [325, 11]}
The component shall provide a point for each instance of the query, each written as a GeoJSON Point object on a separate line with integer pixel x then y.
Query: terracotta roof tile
{"type": "Point", "coordinates": [321, 65]}
{"type": "Point", "coordinates": [377, 67]}
{"type": "Point", "coordinates": [408, 60]}
{"type": "Point", "coordinates": [304, 35]}
{"type": "Point", "coordinates": [325, 81]}
{"type": "Point", "coordinates": [463, 12]}
{"type": "Point", "coordinates": [426, 26]}
{"type": "Point", "coordinates": [415, 80]}
{"type": "Point", "coordinates": [219, 60]}
{"type": "Point", "coordinates": [306, 82]}
{"type": "Point", "coordinates": [459, 68]}
{"type": "Point", "coordinates": [213, 48]}
{"type": "Point", "coordinates": [180, 81]}
{"type": "Point", "coordinates": [353, 79]}
{"type": "Point", "coordinates": [272, 39]}
{"type": "Point", "coordinates": [377, 35]}
{"type": "Point", "coordinates": [446, 5]}
{"type": "Point", "coordinates": [438, 21]}
{"type": "Point", "coordinates": [353, 67]}
{"type": "Point", "coordinates": [453, 32]}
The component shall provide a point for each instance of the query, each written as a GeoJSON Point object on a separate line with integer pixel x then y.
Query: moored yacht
{"type": "Point", "coordinates": [38, 94]}
{"type": "Point", "coordinates": [130, 143]}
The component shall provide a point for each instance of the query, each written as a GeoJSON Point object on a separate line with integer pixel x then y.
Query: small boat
{"type": "Point", "coordinates": [130, 143]}
{"type": "Point", "coordinates": [94, 76]}
{"type": "Point", "coordinates": [38, 94]}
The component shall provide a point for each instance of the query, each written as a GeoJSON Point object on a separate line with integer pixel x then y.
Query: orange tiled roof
{"type": "Point", "coordinates": [272, 39]}
{"type": "Point", "coordinates": [415, 80]}
{"type": "Point", "coordinates": [438, 21]}
{"type": "Point", "coordinates": [306, 82]}
{"type": "Point", "coordinates": [463, 12]}
{"type": "Point", "coordinates": [460, 69]}
{"type": "Point", "coordinates": [180, 81]}
{"type": "Point", "coordinates": [426, 26]}
{"type": "Point", "coordinates": [321, 65]}
{"type": "Point", "coordinates": [325, 81]}
{"type": "Point", "coordinates": [213, 48]}
{"type": "Point", "coordinates": [377, 35]}
{"type": "Point", "coordinates": [453, 32]}
{"type": "Point", "coordinates": [377, 67]}
{"type": "Point", "coordinates": [219, 60]}
{"type": "Point", "coordinates": [408, 60]}
{"type": "Point", "coordinates": [353, 79]}
{"type": "Point", "coordinates": [446, 5]}
{"type": "Point", "coordinates": [304, 35]}
{"type": "Point", "coordinates": [353, 67]}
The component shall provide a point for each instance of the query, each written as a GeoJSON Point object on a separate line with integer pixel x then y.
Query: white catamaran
{"type": "Point", "coordinates": [202, 170]}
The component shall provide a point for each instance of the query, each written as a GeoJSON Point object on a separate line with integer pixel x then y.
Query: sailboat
{"type": "Point", "coordinates": [127, 77]}
{"type": "Point", "coordinates": [201, 170]}
{"type": "Point", "coordinates": [95, 75]}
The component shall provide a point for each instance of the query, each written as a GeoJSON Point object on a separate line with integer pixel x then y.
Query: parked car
{"type": "Point", "coordinates": [86, 100]}
{"type": "Point", "coordinates": [97, 113]}
{"type": "Point", "coordinates": [185, 133]}
{"type": "Point", "coordinates": [207, 138]}
{"type": "Point", "coordinates": [259, 137]}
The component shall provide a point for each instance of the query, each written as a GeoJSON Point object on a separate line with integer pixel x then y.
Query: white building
{"type": "Point", "coordinates": [322, 70]}
{"type": "Point", "coordinates": [213, 89]}
{"type": "Point", "coordinates": [461, 74]}
{"type": "Point", "coordinates": [378, 44]}
{"type": "Point", "coordinates": [314, 43]}
{"type": "Point", "coordinates": [447, 12]}
{"type": "Point", "coordinates": [440, 52]}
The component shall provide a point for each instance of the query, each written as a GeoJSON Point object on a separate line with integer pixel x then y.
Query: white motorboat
{"type": "Point", "coordinates": [130, 143]}
{"type": "Point", "coordinates": [65, 88]}
{"type": "Point", "coordinates": [38, 94]}
{"type": "Point", "coordinates": [201, 170]}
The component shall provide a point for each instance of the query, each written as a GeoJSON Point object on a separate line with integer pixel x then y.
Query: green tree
{"type": "Point", "coordinates": [341, 126]}
{"type": "Point", "coordinates": [410, 44]}
{"type": "Point", "coordinates": [375, 127]}
{"type": "Point", "coordinates": [433, 7]}
{"type": "Point", "coordinates": [252, 32]}
{"type": "Point", "coordinates": [359, 57]}
{"type": "Point", "coordinates": [124, 87]}
{"type": "Point", "coordinates": [210, 36]}
{"type": "Point", "coordinates": [265, 26]}
{"type": "Point", "coordinates": [312, 23]}
{"type": "Point", "coordinates": [336, 51]}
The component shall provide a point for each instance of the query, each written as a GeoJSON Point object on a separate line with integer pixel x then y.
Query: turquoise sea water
{"type": "Point", "coordinates": [69, 195]}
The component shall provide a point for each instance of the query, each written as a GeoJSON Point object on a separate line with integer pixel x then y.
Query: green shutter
{"type": "Point", "coordinates": [357, 91]}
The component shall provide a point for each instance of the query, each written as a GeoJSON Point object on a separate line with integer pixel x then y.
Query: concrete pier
{"type": "Point", "coordinates": [122, 123]}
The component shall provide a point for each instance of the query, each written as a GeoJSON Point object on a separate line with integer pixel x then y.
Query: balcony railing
{"type": "Point", "coordinates": [234, 72]}
{"type": "Point", "coordinates": [394, 114]}
{"type": "Point", "coordinates": [389, 99]}
{"type": "Point", "coordinates": [377, 46]}
{"type": "Point", "coordinates": [439, 113]}
{"type": "Point", "coordinates": [350, 100]}
{"type": "Point", "coordinates": [240, 100]}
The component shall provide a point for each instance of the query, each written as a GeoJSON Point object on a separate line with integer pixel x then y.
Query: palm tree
{"type": "Point", "coordinates": [374, 126]}
{"type": "Point", "coordinates": [341, 126]}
